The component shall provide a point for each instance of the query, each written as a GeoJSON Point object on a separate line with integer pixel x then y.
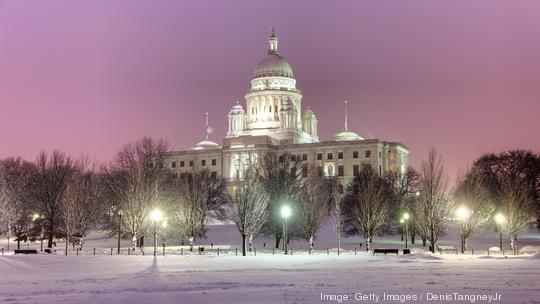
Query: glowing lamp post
{"type": "Point", "coordinates": [405, 220]}
{"type": "Point", "coordinates": [463, 214]}
{"type": "Point", "coordinates": [285, 213]}
{"type": "Point", "coordinates": [499, 219]}
{"type": "Point", "coordinates": [155, 216]}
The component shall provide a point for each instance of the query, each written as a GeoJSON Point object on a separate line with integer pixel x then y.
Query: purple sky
{"type": "Point", "coordinates": [87, 77]}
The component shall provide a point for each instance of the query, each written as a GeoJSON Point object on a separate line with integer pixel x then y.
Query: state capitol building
{"type": "Point", "coordinates": [273, 121]}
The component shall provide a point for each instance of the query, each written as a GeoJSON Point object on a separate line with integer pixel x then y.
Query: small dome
{"type": "Point", "coordinates": [237, 109]}
{"type": "Point", "coordinates": [273, 65]}
{"type": "Point", "coordinates": [346, 136]}
{"type": "Point", "coordinates": [206, 145]}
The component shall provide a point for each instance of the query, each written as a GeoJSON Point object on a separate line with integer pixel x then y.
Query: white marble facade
{"type": "Point", "coordinates": [272, 120]}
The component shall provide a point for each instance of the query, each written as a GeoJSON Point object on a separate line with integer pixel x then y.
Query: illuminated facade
{"type": "Point", "coordinates": [273, 121]}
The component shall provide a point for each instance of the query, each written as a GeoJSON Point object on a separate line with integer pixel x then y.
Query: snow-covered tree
{"type": "Point", "coordinates": [432, 209]}
{"type": "Point", "coordinates": [471, 194]}
{"type": "Point", "coordinates": [249, 202]}
{"type": "Point", "coordinates": [47, 189]}
{"type": "Point", "coordinates": [133, 183]}
{"type": "Point", "coordinates": [312, 208]}
{"type": "Point", "coordinates": [367, 204]}
{"type": "Point", "coordinates": [197, 197]}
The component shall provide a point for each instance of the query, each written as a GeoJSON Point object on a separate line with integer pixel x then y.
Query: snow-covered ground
{"type": "Point", "coordinates": [267, 278]}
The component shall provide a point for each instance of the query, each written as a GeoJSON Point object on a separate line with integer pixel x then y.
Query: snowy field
{"type": "Point", "coordinates": [267, 278]}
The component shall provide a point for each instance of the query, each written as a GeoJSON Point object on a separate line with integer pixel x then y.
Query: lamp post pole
{"type": "Point", "coordinates": [499, 219]}
{"type": "Point", "coordinates": [156, 217]}
{"type": "Point", "coordinates": [285, 213]}
{"type": "Point", "coordinates": [119, 229]}
{"type": "Point", "coordinates": [42, 232]}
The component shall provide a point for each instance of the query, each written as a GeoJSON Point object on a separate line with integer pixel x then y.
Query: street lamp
{"type": "Point", "coordinates": [155, 215]}
{"type": "Point", "coordinates": [405, 219]}
{"type": "Point", "coordinates": [463, 214]}
{"type": "Point", "coordinates": [285, 213]}
{"type": "Point", "coordinates": [120, 212]}
{"type": "Point", "coordinates": [499, 219]}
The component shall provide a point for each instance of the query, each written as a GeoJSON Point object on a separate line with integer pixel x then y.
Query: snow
{"type": "Point", "coordinates": [267, 278]}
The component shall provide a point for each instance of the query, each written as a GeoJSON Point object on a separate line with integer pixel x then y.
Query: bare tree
{"type": "Point", "coordinates": [366, 204]}
{"type": "Point", "coordinates": [48, 187]}
{"type": "Point", "coordinates": [198, 196]}
{"type": "Point", "coordinates": [249, 202]}
{"type": "Point", "coordinates": [312, 208]}
{"type": "Point", "coordinates": [516, 203]}
{"type": "Point", "coordinates": [470, 193]}
{"type": "Point", "coordinates": [282, 180]}
{"type": "Point", "coordinates": [404, 187]}
{"type": "Point", "coordinates": [133, 183]}
{"type": "Point", "coordinates": [432, 208]}
{"type": "Point", "coordinates": [335, 194]}
{"type": "Point", "coordinates": [83, 204]}
{"type": "Point", "coordinates": [15, 208]}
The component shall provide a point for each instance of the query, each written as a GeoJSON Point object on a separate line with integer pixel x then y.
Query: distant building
{"type": "Point", "coordinates": [273, 121]}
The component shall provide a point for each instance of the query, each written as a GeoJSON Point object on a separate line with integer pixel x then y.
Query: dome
{"type": "Point", "coordinates": [346, 136]}
{"type": "Point", "coordinates": [206, 145]}
{"type": "Point", "coordinates": [273, 65]}
{"type": "Point", "coordinates": [237, 109]}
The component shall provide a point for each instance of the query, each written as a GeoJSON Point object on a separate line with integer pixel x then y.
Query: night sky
{"type": "Point", "coordinates": [87, 77]}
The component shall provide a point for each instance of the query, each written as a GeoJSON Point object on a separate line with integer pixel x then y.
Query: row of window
{"type": "Point", "coordinates": [329, 156]}
{"type": "Point", "coordinates": [183, 163]}
{"type": "Point", "coordinates": [184, 174]}
{"type": "Point", "coordinates": [329, 170]}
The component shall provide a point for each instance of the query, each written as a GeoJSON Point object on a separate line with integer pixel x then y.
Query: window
{"type": "Point", "coordinates": [380, 154]}
{"type": "Point", "coordinates": [329, 156]}
{"type": "Point", "coordinates": [368, 154]}
{"type": "Point", "coordinates": [203, 162]}
{"type": "Point", "coordinates": [304, 171]}
{"type": "Point", "coordinates": [281, 158]}
{"type": "Point", "coordinates": [355, 170]}
{"type": "Point", "coordinates": [191, 163]}
{"type": "Point", "coordinates": [213, 162]}
{"type": "Point", "coordinates": [380, 170]}
{"type": "Point", "coordinates": [182, 164]}
{"type": "Point", "coordinates": [293, 157]}
{"type": "Point", "coordinates": [319, 156]}
{"type": "Point", "coordinates": [173, 164]}
{"type": "Point", "coordinates": [304, 157]}
{"type": "Point", "coordinates": [214, 174]}
{"type": "Point", "coordinates": [293, 172]}
{"type": "Point", "coordinates": [340, 155]}
{"type": "Point", "coordinates": [355, 154]}
{"type": "Point", "coordinates": [270, 109]}
{"type": "Point", "coordinates": [340, 171]}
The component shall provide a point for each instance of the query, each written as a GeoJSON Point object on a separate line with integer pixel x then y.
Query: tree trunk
{"type": "Point", "coordinates": [413, 234]}
{"type": "Point", "coordinates": [50, 240]}
{"type": "Point", "coordinates": [465, 243]}
{"type": "Point", "coordinates": [513, 244]}
{"type": "Point", "coordinates": [367, 242]}
{"type": "Point", "coordinates": [243, 245]}
{"type": "Point", "coordinates": [250, 242]}
{"type": "Point", "coordinates": [401, 231]}
{"type": "Point", "coordinates": [424, 241]}
{"type": "Point", "coordinates": [191, 244]}
{"type": "Point", "coordinates": [311, 243]}
{"type": "Point", "coordinates": [278, 240]}
{"type": "Point", "coordinates": [18, 243]}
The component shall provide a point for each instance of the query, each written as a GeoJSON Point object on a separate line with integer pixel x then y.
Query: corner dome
{"type": "Point", "coordinates": [346, 136]}
{"type": "Point", "coordinates": [273, 65]}
{"type": "Point", "coordinates": [206, 145]}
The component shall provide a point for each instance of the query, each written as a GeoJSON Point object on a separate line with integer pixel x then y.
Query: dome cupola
{"type": "Point", "coordinates": [273, 65]}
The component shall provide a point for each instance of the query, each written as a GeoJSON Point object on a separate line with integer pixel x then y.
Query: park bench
{"type": "Point", "coordinates": [385, 251]}
{"type": "Point", "coordinates": [25, 251]}
{"type": "Point", "coordinates": [442, 249]}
